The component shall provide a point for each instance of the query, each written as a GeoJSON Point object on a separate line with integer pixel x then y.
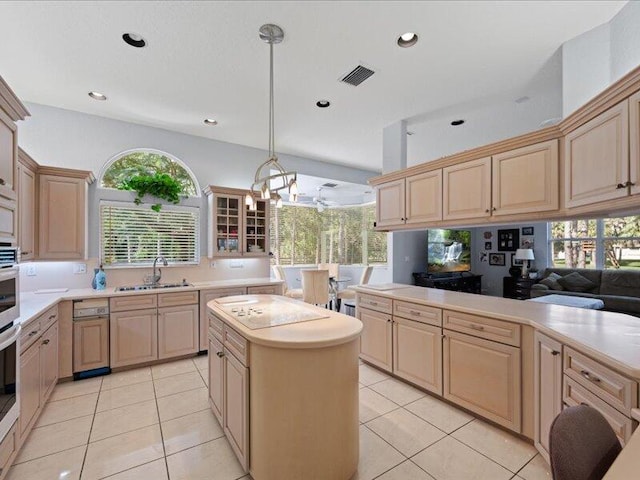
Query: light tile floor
{"type": "Point", "coordinates": [155, 423]}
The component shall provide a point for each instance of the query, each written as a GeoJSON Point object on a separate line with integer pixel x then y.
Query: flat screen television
{"type": "Point", "coordinates": [448, 250]}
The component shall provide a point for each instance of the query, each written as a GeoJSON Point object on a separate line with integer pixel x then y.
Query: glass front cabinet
{"type": "Point", "coordinates": [233, 229]}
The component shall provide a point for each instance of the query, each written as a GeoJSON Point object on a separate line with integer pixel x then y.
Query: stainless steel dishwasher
{"type": "Point", "coordinates": [90, 337]}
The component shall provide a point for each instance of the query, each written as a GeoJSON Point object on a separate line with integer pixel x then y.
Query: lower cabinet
{"type": "Point", "coordinates": [547, 378]}
{"type": "Point", "coordinates": [236, 407]}
{"type": "Point", "coordinates": [8, 448]}
{"type": "Point", "coordinates": [417, 353]}
{"type": "Point", "coordinates": [90, 344]}
{"type": "Point", "coordinates": [484, 377]}
{"type": "Point", "coordinates": [375, 341]}
{"type": "Point", "coordinates": [216, 377]}
{"type": "Point", "coordinates": [205, 297]}
{"type": "Point", "coordinates": [133, 337]}
{"type": "Point", "coordinates": [38, 377]}
{"type": "Point", "coordinates": [178, 331]}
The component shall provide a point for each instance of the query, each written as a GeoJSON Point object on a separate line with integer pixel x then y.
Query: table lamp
{"type": "Point", "coordinates": [524, 254]}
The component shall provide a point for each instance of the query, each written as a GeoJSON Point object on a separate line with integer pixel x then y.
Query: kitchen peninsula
{"type": "Point", "coordinates": [514, 363]}
{"type": "Point", "coordinates": [283, 382]}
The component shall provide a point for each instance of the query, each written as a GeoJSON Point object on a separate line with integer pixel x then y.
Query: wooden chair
{"type": "Point", "coordinates": [315, 286]}
{"type": "Point", "coordinates": [351, 294]}
{"type": "Point", "coordinates": [582, 444]}
{"type": "Point", "coordinates": [334, 269]}
{"type": "Point", "coordinates": [296, 293]}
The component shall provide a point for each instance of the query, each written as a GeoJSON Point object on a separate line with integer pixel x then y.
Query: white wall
{"type": "Point", "coordinates": [408, 254]}
{"type": "Point", "coordinates": [625, 40]}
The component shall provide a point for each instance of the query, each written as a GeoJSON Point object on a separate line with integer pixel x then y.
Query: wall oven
{"type": "Point", "coordinates": [9, 295]}
{"type": "Point", "coordinates": [9, 402]}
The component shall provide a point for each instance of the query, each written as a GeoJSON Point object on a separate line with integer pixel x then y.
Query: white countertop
{"type": "Point", "coordinates": [333, 329]}
{"type": "Point", "coordinates": [613, 338]}
{"type": "Point", "coordinates": [33, 304]}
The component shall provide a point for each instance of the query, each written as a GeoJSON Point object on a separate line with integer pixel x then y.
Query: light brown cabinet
{"type": "Point", "coordinates": [8, 450]}
{"type": "Point", "coordinates": [90, 344]}
{"type": "Point", "coordinates": [178, 332]}
{"type": "Point", "coordinates": [416, 199]}
{"type": "Point", "coordinates": [467, 190]}
{"type": "Point", "coordinates": [634, 144]}
{"type": "Point", "coordinates": [265, 290]}
{"type": "Point", "coordinates": [27, 205]}
{"type": "Point", "coordinates": [38, 372]}
{"type": "Point", "coordinates": [236, 407]}
{"type": "Point", "coordinates": [417, 353]}
{"type": "Point", "coordinates": [484, 377]}
{"type": "Point", "coordinates": [525, 180]}
{"type": "Point", "coordinates": [376, 345]}
{"type": "Point", "coordinates": [8, 154]}
{"type": "Point", "coordinates": [133, 337]}
{"type": "Point", "coordinates": [62, 218]}
{"type": "Point", "coordinates": [216, 377]}
{"type": "Point", "coordinates": [233, 229]}
{"type": "Point", "coordinates": [547, 379]}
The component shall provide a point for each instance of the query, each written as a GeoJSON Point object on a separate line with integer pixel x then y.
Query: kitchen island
{"type": "Point", "coordinates": [283, 383]}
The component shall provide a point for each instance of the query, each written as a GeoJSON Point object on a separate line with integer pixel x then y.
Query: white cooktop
{"type": "Point", "coordinates": [256, 314]}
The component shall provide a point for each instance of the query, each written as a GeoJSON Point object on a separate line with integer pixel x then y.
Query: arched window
{"type": "Point", "coordinates": [148, 162]}
{"type": "Point", "coordinates": [134, 235]}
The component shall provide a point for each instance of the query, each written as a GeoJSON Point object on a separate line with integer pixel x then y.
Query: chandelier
{"type": "Point", "coordinates": [268, 185]}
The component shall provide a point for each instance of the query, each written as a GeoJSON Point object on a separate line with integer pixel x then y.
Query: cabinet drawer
{"type": "Point", "coordinates": [132, 302]}
{"type": "Point", "coordinates": [175, 299]}
{"type": "Point", "coordinates": [575, 394]}
{"type": "Point", "coordinates": [48, 318]}
{"type": "Point", "coordinates": [264, 290]}
{"type": "Point", "coordinates": [216, 326]}
{"type": "Point", "coordinates": [236, 344]}
{"type": "Point", "coordinates": [379, 304]}
{"type": "Point", "coordinates": [419, 313]}
{"type": "Point", "coordinates": [30, 334]}
{"type": "Point", "coordinates": [483, 327]}
{"type": "Point", "coordinates": [618, 391]}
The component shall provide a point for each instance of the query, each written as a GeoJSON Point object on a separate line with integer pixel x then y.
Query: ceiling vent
{"type": "Point", "coordinates": [329, 185]}
{"type": "Point", "coordinates": [358, 75]}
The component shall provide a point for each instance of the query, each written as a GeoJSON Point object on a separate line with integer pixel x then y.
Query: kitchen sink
{"type": "Point", "coordinates": [135, 288]}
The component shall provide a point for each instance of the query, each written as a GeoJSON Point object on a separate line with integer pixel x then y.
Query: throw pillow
{"type": "Point", "coordinates": [574, 282]}
{"type": "Point", "coordinates": [551, 281]}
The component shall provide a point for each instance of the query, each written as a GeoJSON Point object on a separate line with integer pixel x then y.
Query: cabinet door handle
{"type": "Point", "coordinates": [413, 312]}
{"type": "Point", "coordinates": [23, 253]}
{"type": "Point", "coordinates": [584, 403]}
{"type": "Point", "coordinates": [486, 211]}
{"type": "Point", "coordinates": [51, 316]}
{"type": "Point", "coordinates": [31, 334]}
{"type": "Point", "coordinates": [46, 342]}
{"type": "Point", "coordinates": [494, 209]}
{"type": "Point", "coordinates": [589, 376]}
{"type": "Point", "coordinates": [375, 304]}
{"type": "Point", "coordinates": [555, 352]}
{"type": "Point", "coordinates": [220, 354]}
{"type": "Point", "coordinates": [2, 182]}
{"type": "Point", "coordinates": [476, 327]}
{"type": "Point", "coordinates": [620, 185]}
{"type": "Point", "coordinates": [388, 320]}
{"type": "Point", "coordinates": [629, 184]}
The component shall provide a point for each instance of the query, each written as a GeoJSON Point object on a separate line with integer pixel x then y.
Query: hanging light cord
{"type": "Point", "coordinates": [272, 146]}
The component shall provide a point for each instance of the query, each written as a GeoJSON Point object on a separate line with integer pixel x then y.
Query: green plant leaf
{"type": "Point", "coordinates": [159, 185]}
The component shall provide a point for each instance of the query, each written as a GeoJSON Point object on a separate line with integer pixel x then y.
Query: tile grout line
{"type": "Point", "coordinates": [86, 450]}
{"type": "Point", "coordinates": [164, 450]}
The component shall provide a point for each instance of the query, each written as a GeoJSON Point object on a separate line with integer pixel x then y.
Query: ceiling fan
{"type": "Point", "coordinates": [318, 201]}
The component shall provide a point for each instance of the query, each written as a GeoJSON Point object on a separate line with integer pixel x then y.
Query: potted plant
{"type": "Point", "coordinates": [159, 185]}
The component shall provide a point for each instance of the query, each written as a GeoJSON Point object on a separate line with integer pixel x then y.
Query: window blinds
{"type": "Point", "coordinates": [132, 235]}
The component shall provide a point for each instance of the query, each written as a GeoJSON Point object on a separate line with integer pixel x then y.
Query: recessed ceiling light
{"type": "Point", "coordinates": [210, 121]}
{"type": "Point", "coordinates": [97, 96]}
{"type": "Point", "coordinates": [323, 103]}
{"type": "Point", "coordinates": [407, 40]}
{"type": "Point", "coordinates": [456, 123]}
{"type": "Point", "coordinates": [134, 40]}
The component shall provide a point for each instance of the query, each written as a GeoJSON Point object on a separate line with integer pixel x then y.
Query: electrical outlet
{"type": "Point", "coordinates": [31, 270]}
{"type": "Point", "coordinates": [79, 268]}
{"type": "Point", "coordinates": [406, 259]}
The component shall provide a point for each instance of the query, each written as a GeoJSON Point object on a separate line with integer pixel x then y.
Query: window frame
{"type": "Point", "coordinates": [145, 207]}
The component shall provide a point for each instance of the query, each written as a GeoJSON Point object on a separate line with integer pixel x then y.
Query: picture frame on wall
{"type": "Point", "coordinates": [487, 245]}
{"type": "Point", "coordinates": [497, 259]}
{"type": "Point", "coordinates": [508, 240]}
{"type": "Point", "coordinates": [527, 230]}
{"type": "Point", "coordinates": [515, 262]}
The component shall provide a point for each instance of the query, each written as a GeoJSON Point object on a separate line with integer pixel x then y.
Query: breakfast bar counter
{"type": "Point", "coordinates": [283, 382]}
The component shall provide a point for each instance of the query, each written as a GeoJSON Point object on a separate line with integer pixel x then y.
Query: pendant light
{"type": "Point", "coordinates": [265, 184]}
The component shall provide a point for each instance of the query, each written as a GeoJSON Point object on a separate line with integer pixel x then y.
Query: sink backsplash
{"type": "Point", "coordinates": [61, 274]}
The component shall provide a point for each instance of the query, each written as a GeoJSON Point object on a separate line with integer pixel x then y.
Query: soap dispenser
{"type": "Point", "coordinates": [101, 279]}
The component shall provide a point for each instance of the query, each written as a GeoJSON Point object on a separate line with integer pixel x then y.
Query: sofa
{"type": "Point", "coordinates": [618, 289]}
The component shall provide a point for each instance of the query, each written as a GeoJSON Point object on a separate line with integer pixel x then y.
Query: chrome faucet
{"type": "Point", "coordinates": [156, 277]}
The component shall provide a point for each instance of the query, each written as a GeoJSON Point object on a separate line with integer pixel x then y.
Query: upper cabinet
{"type": "Point", "coordinates": [412, 200]}
{"type": "Point", "coordinates": [525, 180]}
{"type": "Point", "coordinates": [11, 110]}
{"type": "Point", "coordinates": [467, 190]}
{"type": "Point", "coordinates": [634, 144]}
{"type": "Point", "coordinates": [597, 158]}
{"type": "Point", "coordinates": [27, 194]}
{"type": "Point", "coordinates": [234, 230]}
{"type": "Point", "coordinates": [62, 216]}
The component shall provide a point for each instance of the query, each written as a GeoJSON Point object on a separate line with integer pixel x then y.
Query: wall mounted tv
{"type": "Point", "coordinates": [448, 250]}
